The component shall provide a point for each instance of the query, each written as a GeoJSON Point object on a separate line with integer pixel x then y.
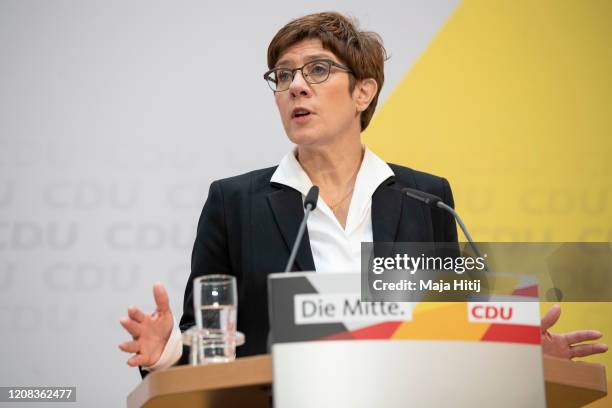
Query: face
{"type": "Point", "coordinates": [333, 112]}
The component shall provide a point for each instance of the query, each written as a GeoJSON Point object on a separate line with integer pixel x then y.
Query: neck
{"type": "Point", "coordinates": [334, 166]}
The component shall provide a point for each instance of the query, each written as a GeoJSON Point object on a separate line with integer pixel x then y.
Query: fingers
{"type": "Point", "coordinates": [136, 314]}
{"type": "Point", "coordinates": [132, 327]}
{"type": "Point", "coordinates": [161, 298]}
{"type": "Point", "coordinates": [137, 360]}
{"type": "Point", "coordinates": [584, 350]}
{"type": "Point", "coordinates": [130, 347]}
{"type": "Point", "coordinates": [551, 317]}
{"type": "Point", "coordinates": [581, 335]}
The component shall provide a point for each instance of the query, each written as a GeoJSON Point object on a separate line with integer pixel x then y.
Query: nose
{"type": "Point", "coordinates": [299, 86]}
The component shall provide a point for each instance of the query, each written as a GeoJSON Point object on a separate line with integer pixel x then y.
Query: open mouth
{"type": "Point", "coordinates": [300, 113]}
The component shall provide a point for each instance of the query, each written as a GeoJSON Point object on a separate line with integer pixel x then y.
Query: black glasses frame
{"type": "Point", "coordinates": [331, 63]}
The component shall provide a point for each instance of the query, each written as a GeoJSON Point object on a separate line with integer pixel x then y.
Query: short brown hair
{"type": "Point", "coordinates": [361, 51]}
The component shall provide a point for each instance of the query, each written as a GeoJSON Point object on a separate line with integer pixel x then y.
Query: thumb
{"type": "Point", "coordinates": [551, 317]}
{"type": "Point", "coordinates": [161, 298]}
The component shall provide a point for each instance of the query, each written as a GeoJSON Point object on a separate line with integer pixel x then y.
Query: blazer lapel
{"type": "Point", "coordinates": [288, 211]}
{"type": "Point", "coordinates": [395, 217]}
{"type": "Point", "coordinates": [386, 212]}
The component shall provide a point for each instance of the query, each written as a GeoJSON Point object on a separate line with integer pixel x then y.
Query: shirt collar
{"type": "Point", "coordinates": [372, 173]}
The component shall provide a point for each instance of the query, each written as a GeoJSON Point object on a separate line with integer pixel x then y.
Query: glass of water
{"type": "Point", "coordinates": [215, 301]}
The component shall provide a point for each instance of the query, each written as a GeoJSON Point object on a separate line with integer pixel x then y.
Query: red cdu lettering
{"type": "Point", "coordinates": [492, 312]}
{"type": "Point", "coordinates": [477, 312]}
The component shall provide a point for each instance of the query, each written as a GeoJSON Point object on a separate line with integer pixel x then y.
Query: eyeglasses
{"type": "Point", "coordinates": [314, 72]}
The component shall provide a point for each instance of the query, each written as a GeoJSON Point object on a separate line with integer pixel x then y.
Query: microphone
{"type": "Point", "coordinates": [435, 201]}
{"type": "Point", "coordinates": [310, 203]}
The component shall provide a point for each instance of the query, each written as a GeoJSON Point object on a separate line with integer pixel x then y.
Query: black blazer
{"type": "Point", "coordinates": [248, 225]}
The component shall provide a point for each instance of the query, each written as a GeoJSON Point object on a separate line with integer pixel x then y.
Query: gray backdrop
{"type": "Point", "coordinates": [115, 116]}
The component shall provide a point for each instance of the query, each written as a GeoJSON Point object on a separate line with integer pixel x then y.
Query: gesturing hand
{"type": "Point", "coordinates": [150, 333]}
{"type": "Point", "coordinates": [565, 345]}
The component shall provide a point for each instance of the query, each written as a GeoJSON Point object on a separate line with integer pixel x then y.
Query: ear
{"type": "Point", "coordinates": [365, 90]}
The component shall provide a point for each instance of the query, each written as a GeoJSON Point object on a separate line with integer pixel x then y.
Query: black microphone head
{"type": "Point", "coordinates": [422, 196]}
{"type": "Point", "coordinates": [311, 198]}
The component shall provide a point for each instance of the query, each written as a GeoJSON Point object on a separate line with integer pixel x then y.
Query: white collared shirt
{"type": "Point", "coordinates": [337, 249]}
{"type": "Point", "coordinates": [334, 249]}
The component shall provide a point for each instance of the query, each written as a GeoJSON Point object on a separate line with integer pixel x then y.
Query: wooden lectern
{"type": "Point", "coordinates": [247, 382]}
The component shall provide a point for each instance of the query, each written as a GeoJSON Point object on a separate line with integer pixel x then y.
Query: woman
{"type": "Point", "coordinates": [326, 77]}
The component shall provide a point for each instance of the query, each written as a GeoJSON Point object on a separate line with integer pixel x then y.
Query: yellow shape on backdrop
{"type": "Point", "coordinates": [511, 102]}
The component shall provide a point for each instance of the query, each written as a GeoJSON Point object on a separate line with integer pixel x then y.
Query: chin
{"type": "Point", "coordinates": [305, 138]}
